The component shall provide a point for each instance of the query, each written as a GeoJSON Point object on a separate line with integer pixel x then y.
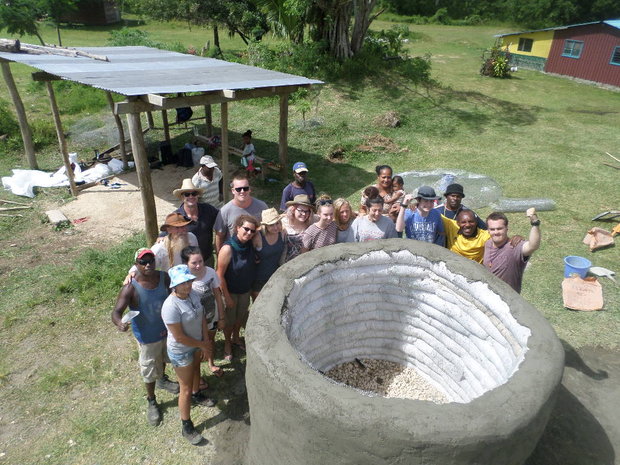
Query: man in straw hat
{"type": "Point", "coordinates": [145, 295]}
{"type": "Point", "coordinates": [242, 204]}
{"type": "Point", "coordinates": [203, 217]}
{"type": "Point", "coordinates": [209, 177]}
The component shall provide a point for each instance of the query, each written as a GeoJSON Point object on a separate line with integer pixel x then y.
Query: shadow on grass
{"type": "Point", "coordinates": [574, 435]}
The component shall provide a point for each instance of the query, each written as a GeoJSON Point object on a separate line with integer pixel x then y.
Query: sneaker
{"type": "Point", "coordinates": [190, 433]}
{"type": "Point", "coordinates": [164, 383]}
{"type": "Point", "coordinates": [200, 399]}
{"type": "Point", "coordinates": [153, 415]}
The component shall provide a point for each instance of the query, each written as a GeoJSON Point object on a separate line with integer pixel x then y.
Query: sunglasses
{"type": "Point", "coordinates": [250, 230]}
{"type": "Point", "coordinates": [190, 194]}
{"type": "Point", "coordinates": [145, 261]}
{"type": "Point", "coordinates": [244, 188]}
{"type": "Point", "coordinates": [325, 202]}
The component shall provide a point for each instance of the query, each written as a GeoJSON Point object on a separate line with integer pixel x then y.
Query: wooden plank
{"type": "Point", "coordinates": [62, 142]}
{"type": "Point", "coordinates": [43, 76]}
{"type": "Point", "coordinates": [283, 137]}
{"type": "Point", "coordinates": [144, 177]}
{"type": "Point", "coordinates": [224, 146]}
{"type": "Point", "coordinates": [56, 217]}
{"type": "Point", "coordinates": [10, 45]}
{"type": "Point", "coordinates": [149, 118]}
{"type": "Point", "coordinates": [121, 132]}
{"type": "Point", "coordinates": [24, 127]}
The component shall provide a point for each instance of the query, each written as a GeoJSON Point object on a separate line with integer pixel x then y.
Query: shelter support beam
{"type": "Point", "coordinates": [61, 138]}
{"type": "Point", "coordinates": [24, 127]}
{"type": "Point", "coordinates": [149, 118]}
{"type": "Point", "coordinates": [283, 137]}
{"type": "Point", "coordinates": [121, 132]}
{"type": "Point", "coordinates": [144, 176]}
{"type": "Point", "coordinates": [224, 142]}
{"type": "Point", "coordinates": [164, 119]}
{"type": "Point", "coordinates": [209, 120]}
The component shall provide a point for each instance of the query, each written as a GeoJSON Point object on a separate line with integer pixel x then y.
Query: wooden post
{"type": "Point", "coordinates": [121, 132]}
{"type": "Point", "coordinates": [283, 139]}
{"type": "Point", "coordinates": [24, 127]}
{"type": "Point", "coordinates": [61, 138]}
{"type": "Point", "coordinates": [149, 118]}
{"type": "Point", "coordinates": [224, 129]}
{"type": "Point", "coordinates": [164, 118]}
{"type": "Point", "coordinates": [144, 177]}
{"type": "Point", "coordinates": [209, 120]}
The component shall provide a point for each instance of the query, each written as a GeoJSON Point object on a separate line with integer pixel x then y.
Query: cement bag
{"type": "Point", "coordinates": [582, 294]}
{"type": "Point", "coordinates": [597, 238]}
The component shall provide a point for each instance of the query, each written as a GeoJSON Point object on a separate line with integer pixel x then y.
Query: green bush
{"type": "Point", "coordinates": [43, 134]}
{"type": "Point", "coordinates": [131, 37]}
{"type": "Point", "coordinates": [8, 123]}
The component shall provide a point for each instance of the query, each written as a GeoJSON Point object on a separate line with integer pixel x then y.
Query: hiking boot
{"type": "Point", "coordinates": [190, 433]}
{"type": "Point", "coordinates": [153, 415]}
{"type": "Point", "coordinates": [167, 385]}
{"type": "Point", "coordinates": [199, 398]}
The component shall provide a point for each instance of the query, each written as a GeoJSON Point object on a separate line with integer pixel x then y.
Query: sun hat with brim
{"type": "Point", "coordinates": [427, 193]}
{"type": "Point", "coordinates": [270, 216]}
{"type": "Point", "coordinates": [208, 161]}
{"type": "Point", "coordinates": [142, 252]}
{"type": "Point", "coordinates": [187, 186]}
{"type": "Point", "coordinates": [175, 219]}
{"type": "Point", "coordinates": [301, 199]}
{"type": "Point", "coordinates": [179, 274]}
{"type": "Point", "coordinates": [454, 189]}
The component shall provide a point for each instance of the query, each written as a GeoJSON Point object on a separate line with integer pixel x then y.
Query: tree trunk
{"type": "Point", "coordinates": [362, 10]}
{"type": "Point", "coordinates": [58, 32]}
{"type": "Point", "coordinates": [337, 30]}
{"type": "Point", "coordinates": [216, 36]}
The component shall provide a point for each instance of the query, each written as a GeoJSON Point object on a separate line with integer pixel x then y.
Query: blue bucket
{"type": "Point", "coordinates": [576, 265]}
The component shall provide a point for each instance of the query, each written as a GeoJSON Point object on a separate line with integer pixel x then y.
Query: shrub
{"type": "Point", "coordinates": [8, 123]}
{"type": "Point", "coordinates": [496, 63]}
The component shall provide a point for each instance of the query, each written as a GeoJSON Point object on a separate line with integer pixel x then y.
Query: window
{"type": "Point", "coordinates": [525, 45]}
{"type": "Point", "coordinates": [572, 48]}
{"type": "Point", "coordinates": [615, 57]}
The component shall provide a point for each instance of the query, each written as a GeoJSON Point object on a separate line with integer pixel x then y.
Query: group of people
{"type": "Point", "coordinates": [181, 300]}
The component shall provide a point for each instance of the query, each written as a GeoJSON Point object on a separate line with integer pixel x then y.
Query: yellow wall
{"type": "Point", "coordinates": [540, 47]}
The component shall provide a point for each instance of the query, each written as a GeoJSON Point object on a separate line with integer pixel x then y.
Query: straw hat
{"type": "Point", "coordinates": [187, 186]}
{"type": "Point", "coordinates": [270, 216]}
{"type": "Point", "coordinates": [174, 219]}
{"type": "Point", "coordinates": [301, 199]}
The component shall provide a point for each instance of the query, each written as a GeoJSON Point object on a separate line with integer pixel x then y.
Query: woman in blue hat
{"type": "Point", "coordinates": [188, 344]}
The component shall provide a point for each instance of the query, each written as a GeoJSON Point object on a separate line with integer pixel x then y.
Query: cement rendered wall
{"type": "Point", "coordinates": [299, 417]}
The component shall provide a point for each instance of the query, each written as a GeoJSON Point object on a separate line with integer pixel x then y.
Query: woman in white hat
{"type": "Point", "coordinates": [270, 246]}
{"type": "Point", "coordinates": [187, 344]}
{"type": "Point", "coordinates": [202, 216]}
{"type": "Point", "coordinates": [298, 217]}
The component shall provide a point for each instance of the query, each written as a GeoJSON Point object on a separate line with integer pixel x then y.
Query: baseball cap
{"type": "Point", "coordinates": [299, 167]}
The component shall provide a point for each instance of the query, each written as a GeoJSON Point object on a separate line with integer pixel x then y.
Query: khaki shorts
{"type": "Point", "coordinates": [152, 359]}
{"type": "Point", "coordinates": [239, 312]}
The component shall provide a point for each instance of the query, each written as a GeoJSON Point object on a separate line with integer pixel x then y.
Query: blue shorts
{"type": "Point", "coordinates": [182, 360]}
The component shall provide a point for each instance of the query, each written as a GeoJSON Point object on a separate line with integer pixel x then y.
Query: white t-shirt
{"type": "Point", "coordinates": [205, 288]}
{"type": "Point", "coordinates": [189, 313]}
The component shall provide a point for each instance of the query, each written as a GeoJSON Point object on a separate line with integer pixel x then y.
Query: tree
{"type": "Point", "coordinates": [287, 18]}
{"type": "Point", "coordinates": [20, 17]}
{"type": "Point", "coordinates": [55, 10]}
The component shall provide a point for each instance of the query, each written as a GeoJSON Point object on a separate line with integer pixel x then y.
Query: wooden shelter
{"type": "Point", "coordinates": [155, 80]}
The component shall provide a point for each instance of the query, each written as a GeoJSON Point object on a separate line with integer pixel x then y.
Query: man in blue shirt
{"type": "Point", "coordinates": [300, 185]}
{"type": "Point", "coordinates": [424, 223]}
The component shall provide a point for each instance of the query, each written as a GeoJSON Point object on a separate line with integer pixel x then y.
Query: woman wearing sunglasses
{"type": "Point", "coordinates": [201, 214]}
{"type": "Point", "coordinates": [236, 268]}
{"type": "Point", "coordinates": [299, 216]}
{"type": "Point", "coordinates": [325, 230]}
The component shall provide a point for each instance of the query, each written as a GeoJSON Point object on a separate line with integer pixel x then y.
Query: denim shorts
{"type": "Point", "coordinates": [184, 359]}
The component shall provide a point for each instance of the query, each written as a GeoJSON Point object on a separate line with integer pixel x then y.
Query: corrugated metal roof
{"type": "Point", "coordinates": [143, 70]}
{"type": "Point", "coordinates": [611, 22]}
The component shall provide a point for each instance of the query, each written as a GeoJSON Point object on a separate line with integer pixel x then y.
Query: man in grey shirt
{"type": "Point", "coordinates": [242, 204]}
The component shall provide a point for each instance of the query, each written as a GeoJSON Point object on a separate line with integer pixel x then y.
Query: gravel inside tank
{"type": "Point", "coordinates": [387, 379]}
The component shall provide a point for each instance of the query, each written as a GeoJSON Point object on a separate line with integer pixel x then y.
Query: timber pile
{"type": "Point", "coordinates": [15, 46]}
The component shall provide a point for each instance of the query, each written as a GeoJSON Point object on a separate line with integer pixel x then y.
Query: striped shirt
{"type": "Point", "coordinates": [212, 188]}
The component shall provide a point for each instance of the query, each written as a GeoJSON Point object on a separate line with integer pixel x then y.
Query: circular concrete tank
{"type": "Point", "coordinates": [469, 334]}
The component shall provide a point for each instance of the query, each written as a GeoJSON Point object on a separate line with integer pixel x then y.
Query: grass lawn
{"type": "Point", "coordinates": [69, 381]}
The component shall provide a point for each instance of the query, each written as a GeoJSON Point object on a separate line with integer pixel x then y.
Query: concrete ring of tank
{"type": "Point", "coordinates": [299, 416]}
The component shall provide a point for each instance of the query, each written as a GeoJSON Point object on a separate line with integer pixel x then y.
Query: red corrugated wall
{"type": "Point", "coordinates": [593, 64]}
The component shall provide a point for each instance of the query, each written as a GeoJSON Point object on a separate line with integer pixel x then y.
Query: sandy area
{"type": "Point", "coordinates": [117, 213]}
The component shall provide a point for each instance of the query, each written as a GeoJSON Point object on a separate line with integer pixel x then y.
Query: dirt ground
{"type": "Point", "coordinates": [584, 428]}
